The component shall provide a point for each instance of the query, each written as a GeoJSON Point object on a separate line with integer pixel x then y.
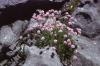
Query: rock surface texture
{"type": "Point", "coordinates": [41, 57]}
{"type": "Point", "coordinates": [88, 52]}
{"type": "Point", "coordinates": [9, 35]}
{"type": "Point", "coordinates": [4, 3]}
{"type": "Point", "coordinates": [88, 18]}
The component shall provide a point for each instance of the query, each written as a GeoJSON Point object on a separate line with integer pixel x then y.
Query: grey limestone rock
{"type": "Point", "coordinates": [88, 52]}
{"type": "Point", "coordinates": [19, 26]}
{"type": "Point", "coordinates": [7, 37]}
{"type": "Point", "coordinates": [3, 3]}
{"type": "Point", "coordinates": [41, 57]}
{"type": "Point", "coordinates": [88, 19]}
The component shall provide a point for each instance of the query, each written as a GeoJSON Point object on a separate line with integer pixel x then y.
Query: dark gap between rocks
{"type": "Point", "coordinates": [24, 11]}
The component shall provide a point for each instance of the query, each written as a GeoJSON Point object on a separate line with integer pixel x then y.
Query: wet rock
{"type": "Point", "coordinates": [34, 58]}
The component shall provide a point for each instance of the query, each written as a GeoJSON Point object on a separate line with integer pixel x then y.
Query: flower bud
{"type": "Point", "coordinates": [60, 31]}
{"type": "Point", "coordinates": [73, 46]}
{"type": "Point", "coordinates": [75, 51]}
{"type": "Point", "coordinates": [75, 57]}
{"type": "Point", "coordinates": [55, 34]}
{"type": "Point", "coordinates": [55, 41]}
{"type": "Point", "coordinates": [65, 36]}
{"type": "Point", "coordinates": [42, 38]}
{"type": "Point", "coordinates": [20, 37]}
{"type": "Point", "coordinates": [38, 32]}
{"type": "Point", "coordinates": [65, 42]}
{"type": "Point", "coordinates": [79, 30]}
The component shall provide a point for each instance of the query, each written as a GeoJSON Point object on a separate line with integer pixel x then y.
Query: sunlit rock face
{"type": "Point", "coordinates": [7, 36]}
{"type": "Point", "coordinates": [41, 57]}
{"type": "Point", "coordinates": [10, 34]}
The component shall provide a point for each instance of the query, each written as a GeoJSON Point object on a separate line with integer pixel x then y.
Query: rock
{"type": "Point", "coordinates": [4, 3]}
{"type": "Point", "coordinates": [19, 26]}
{"type": "Point", "coordinates": [88, 52]}
{"type": "Point", "coordinates": [97, 4]}
{"type": "Point", "coordinates": [32, 24]}
{"type": "Point", "coordinates": [88, 19]}
{"type": "Point", "coordinates": [7, 37]}
{"type": "Point", "coordinates": [41, 57]}
{"type": "Point", "coordinates": [58, 0]}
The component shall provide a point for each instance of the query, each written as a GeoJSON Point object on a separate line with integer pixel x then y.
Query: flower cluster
{"type": "Point", "coordinates": [50, 26]}
{"type": "Point", "coordinates": [41, 16]}
{"type": "Point", "coordinates": [52, 18]}
{"type": "Point", "coordinates": [55, 30]}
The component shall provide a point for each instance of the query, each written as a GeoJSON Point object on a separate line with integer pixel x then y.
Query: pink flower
{"type": "Point", "coordinates": [41, 12]}
{"type": "Point", "coordinates": [67, 13]}
{"type": "Point", "coordinates": [56, 12]}
{"type": "Point", "coordinates": [52, 15]}
{"type": "Point", "coordinates": [79, 30]}
{"type": "Point", "coordinates": [70, 23]}
{"type": "Point", "coordinates": [73, 46]}
{"type": "Point", "coordinates": [69, 16]}
{"type": "Point", "coordinates": [75, 33]}
{"type": "Point", "coordinates": [69, 43]}
{"type": "Point", "coordinates": [40, 25]}
{"type": "Point", "coordinates": [72, 18]}
{"type": "Point", "coordinates": [42, 29]}
{"type": "Point", "coordinates": [40, 17]}
{"type": "Point", "coordinates": [65, 42]}
{"type": "Point", "coordinates": [47, 14]}
{"type": "Point", "coordinates": [66, 17]}
{"type": "Point", "coordinates": [68, 40]}
{"type": "Point", "coordinates": [70, 29]}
